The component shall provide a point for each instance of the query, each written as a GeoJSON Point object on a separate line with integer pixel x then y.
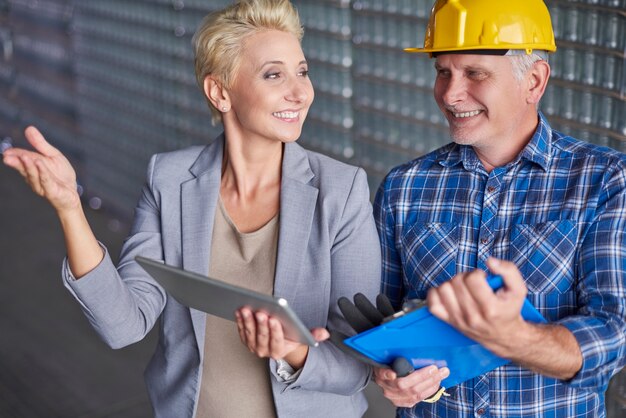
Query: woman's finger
{"type": "Point", "coordinates": [241, 328]}
{"type": "Point", "coordinates": [15, 163]}
{"type": "Point", "coordinates": [37, 140]}
{"type": "Point", "coordinates": [262, 334]}
{"type": "Point", "coordinates": [277, 341]}
{"type": "Point", "coordinates": [32, 175]}
{"type": "Point", "coordinates": [320, 334]}
{"type": "Point", "coordinates": [45, 180]}
{"type": "Point", "coordinates": [249, 328]}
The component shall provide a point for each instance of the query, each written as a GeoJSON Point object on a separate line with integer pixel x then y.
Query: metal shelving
{"type": "Point", "coordinates": [397, 118]}
{"type": "Point", "coordinates": [137, 93]}
{"type": "Point", "coordinates": [9, 113]}
{"type": "Point", "coordinates": [36, 72]}
{"type": "Point", "coordinates": [328, 47]}
{"type": "Point", "coordinates": [586, 97]}
{"type": "Point", "coordinates": [130, 67]}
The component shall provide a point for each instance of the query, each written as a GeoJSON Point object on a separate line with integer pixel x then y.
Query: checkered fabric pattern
{"type": "Point", "coordinates": [558, 211]}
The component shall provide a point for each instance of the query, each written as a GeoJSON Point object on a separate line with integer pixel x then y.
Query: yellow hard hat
{"type": "Point", "coordinates": [488, 25]}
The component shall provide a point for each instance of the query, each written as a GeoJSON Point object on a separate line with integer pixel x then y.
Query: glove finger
{"type": "Point", "coordinates": [368, 309]}
{"type": "Point", "coordinates": [354, 317]}
{"type": "Point", "coordinates": [402, 367]}
{"type": "Point", "coordinates": [384, 305]}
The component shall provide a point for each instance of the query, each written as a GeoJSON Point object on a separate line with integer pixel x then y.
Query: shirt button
{"type": "Point", "coordinates": [481, 411]}
{"type": "Point", "coordinates": [484, 240]}
{"type": "Point", "coordinates": [491, 189]}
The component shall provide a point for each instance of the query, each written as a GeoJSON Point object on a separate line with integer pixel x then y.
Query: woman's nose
{"type": "Point", "coordinates": [299, 90]}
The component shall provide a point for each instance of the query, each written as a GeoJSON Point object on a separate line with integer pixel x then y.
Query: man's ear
{"type": "Point", "coordinates": [216, 94]}
{"type": "Point", "coordinates": [537, 81]}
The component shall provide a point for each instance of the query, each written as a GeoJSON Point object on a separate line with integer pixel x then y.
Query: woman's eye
{"type": "Point", "coordinates": [271, 76]}
{"type": "Point", "coordinates": [304, 73]}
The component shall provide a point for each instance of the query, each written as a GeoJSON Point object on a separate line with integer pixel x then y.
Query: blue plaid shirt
{"type": "Point", "coordinates": [558, 212]}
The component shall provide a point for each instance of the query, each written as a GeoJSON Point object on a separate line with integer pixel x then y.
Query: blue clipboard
{"type": "Point", "coordinates": [423, 340]}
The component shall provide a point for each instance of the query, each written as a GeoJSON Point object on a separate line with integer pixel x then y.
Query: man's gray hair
{"type": "Point", "coordinates": [522, 62]}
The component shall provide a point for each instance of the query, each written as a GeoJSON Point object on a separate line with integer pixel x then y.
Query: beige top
{"type": "Point", "coordinates": [235, 382]}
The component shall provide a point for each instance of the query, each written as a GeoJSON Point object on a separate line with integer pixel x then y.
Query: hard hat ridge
{"type": "Point", "coordinates": [488, 25]}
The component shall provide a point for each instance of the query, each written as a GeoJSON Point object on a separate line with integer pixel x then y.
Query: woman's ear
{"type": "Point", "coordinates": [537, 79]}
{"type": "Point", "coordinates": [216, 94]}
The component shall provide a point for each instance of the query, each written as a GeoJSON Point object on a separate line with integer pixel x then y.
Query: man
{"type": "Point", "coordinates": [509, 195]}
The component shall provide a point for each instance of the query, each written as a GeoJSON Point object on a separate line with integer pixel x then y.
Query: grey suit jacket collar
{"type": "Point", "coordinates": [199, 201]}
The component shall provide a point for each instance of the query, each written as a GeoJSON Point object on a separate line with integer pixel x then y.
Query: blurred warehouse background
{"type": "Point", "coordinates": [111, 82]}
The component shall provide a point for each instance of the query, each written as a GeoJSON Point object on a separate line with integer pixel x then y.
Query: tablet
{"type": "Point", "coordinates": [222, 299]}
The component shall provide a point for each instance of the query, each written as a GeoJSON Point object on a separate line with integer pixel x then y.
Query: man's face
{"type": "Point", "coordinates": [484, 103]}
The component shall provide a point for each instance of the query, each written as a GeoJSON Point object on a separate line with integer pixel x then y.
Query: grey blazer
{"type": "Point", "coordinates": [327, 248]}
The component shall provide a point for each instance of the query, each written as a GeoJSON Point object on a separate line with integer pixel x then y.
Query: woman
{"type": "Point", "coordinates": [252, 208]}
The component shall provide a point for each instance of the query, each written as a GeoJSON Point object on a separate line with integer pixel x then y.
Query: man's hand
{"type": "Point", "coordinates": [468, 304]}
{"type": "Point", "coordinates": [407, 391]}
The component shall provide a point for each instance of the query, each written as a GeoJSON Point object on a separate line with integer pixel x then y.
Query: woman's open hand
{"type": "Point", "coordinates": [263, 335]}
{"type": "Point", "coordinates": [45, 170]}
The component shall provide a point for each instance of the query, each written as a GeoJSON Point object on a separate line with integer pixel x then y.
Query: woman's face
{"type": "Point", "coordinates": [271, 93]}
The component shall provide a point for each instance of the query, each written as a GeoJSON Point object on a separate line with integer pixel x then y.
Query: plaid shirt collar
{"type": "Point", "coordinates": [538, 150]}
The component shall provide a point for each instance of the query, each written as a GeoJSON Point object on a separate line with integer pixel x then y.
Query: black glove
{"type": "Point", "coordinates": [362, 315]}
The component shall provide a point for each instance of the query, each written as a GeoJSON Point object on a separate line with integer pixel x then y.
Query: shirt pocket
{"type": "Point", "coordinates": [545, 254]}
{"type": "Point", "coordinates": [429, 253]}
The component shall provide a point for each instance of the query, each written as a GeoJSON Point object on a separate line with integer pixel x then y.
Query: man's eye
{"type": "Point", "coordinates": [476, 75]}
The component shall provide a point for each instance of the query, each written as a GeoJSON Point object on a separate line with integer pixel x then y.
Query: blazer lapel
{"type": "Point", "coordinates": [297, 206]}
{"type": "Point", "coordinates": [199, 201]}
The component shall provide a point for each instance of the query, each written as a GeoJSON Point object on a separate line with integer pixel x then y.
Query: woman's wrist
{"type": "Point", "coordinates": [297, 357]}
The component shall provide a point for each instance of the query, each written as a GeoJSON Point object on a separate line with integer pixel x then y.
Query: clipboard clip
{"type": "Point", "coordinates": [410, 305]}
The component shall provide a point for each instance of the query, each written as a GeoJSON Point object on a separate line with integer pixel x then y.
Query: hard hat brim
{"type": "Point", "coordinates": [468, 50]}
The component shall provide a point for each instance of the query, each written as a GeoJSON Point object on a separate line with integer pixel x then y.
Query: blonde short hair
{"type": "Point", "coordinates": [217, 42]}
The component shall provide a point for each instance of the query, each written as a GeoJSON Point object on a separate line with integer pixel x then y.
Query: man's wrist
{"type": "Point", "coordinates": [514, 344]}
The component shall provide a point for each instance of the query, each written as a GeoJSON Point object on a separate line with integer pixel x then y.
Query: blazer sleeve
{"type": "Point", "coordinates": [355, 267]}
{"type": "Point", "coordinates": [123, 304]}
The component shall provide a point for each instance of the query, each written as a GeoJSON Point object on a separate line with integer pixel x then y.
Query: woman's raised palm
{"type": "Point", "coordinates": [46, 170]}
